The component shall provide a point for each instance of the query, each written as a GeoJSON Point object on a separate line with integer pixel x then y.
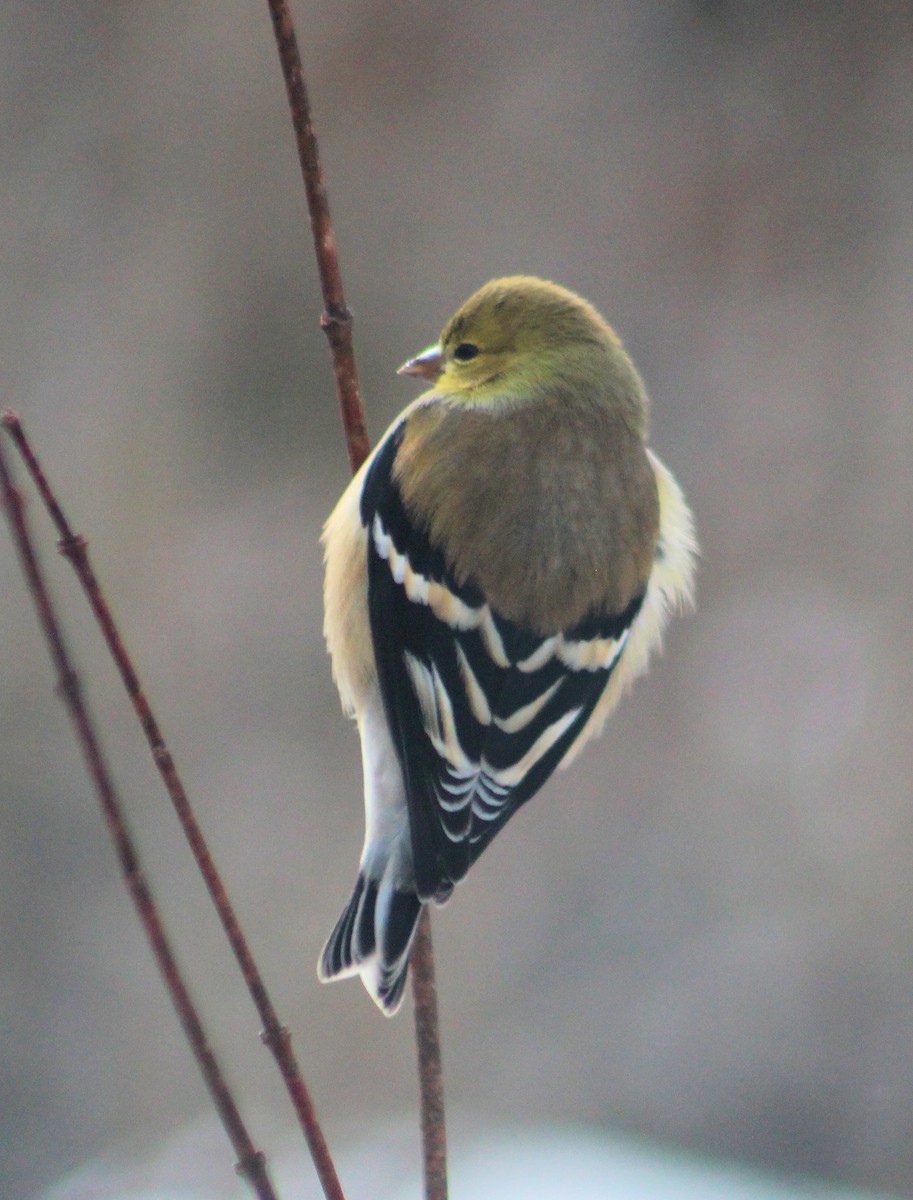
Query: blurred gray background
{"type": "Point", "coordinates": [704, 931]}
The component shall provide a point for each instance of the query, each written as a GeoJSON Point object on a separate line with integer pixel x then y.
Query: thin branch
{"type": "Point", "coordinates": [336, 322]}
{"type": "Point", "coordinates": [275, 1035]}
{"type": "Point", "coordinates": [251, 1162]}
{"type": "Point", "coordinates": [434, 1130]}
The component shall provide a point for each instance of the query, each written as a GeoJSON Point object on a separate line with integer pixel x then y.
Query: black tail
{"type": "Point", "coordinates": [372, 938]}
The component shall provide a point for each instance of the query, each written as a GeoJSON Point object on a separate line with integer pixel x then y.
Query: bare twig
{"type": "Point", "coordinates": [251, 1162]}
{"type": "Point", "coordinates": [434, 1130]}
{"type": "Point", "coordinates": [337, 324]}
{"type": "Point", "coordinates": [275, 1035]}
{"type": "Point", "coordinates": [336, 321]}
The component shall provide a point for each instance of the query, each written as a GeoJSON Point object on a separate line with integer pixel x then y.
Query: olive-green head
{"type": "Point", "coordinates": [521, 338]}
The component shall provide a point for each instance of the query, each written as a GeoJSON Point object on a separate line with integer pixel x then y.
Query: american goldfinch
{"type": "Point", "coordinates": [497, 574]}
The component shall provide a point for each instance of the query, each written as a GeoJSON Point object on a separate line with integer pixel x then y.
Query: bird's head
{"type": "Point", "coordinates": [516, 336]}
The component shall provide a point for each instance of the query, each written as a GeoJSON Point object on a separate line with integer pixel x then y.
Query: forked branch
{"type": "Point", "coordinates": [251, 1162]}
{"type": "Point", "coordinates": [275, 1035]}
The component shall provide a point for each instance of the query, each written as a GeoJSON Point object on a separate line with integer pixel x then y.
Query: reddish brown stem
{"type": "Point", "coordinates": [251, 1162]}
{"type": "Point", "coordinates": [431, 1085]}
{"type": "Point", "coordinates": [275, 1035]}
{"type": "Point", "coordinates": [336, 321]}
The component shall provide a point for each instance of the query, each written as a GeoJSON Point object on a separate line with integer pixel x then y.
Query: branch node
{"type": "Point", "coordinates": [252, 1166]}
{"type": "Point", "coordinates": [277, 1038]}
{"type": "Point", "coordinates": [68, 687]}
{"type": "Point", "coordinates": [161, 756]}
{"type": "Point", "coordinates": [331, 317]}
{"type": "Point", "coordinates": [73, 546]}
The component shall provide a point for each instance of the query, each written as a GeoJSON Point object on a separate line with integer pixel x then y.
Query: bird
{"type": "Point", "coordinates": [497, 574]}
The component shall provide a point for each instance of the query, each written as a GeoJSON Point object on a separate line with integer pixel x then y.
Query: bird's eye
{"type": "Point", "coordinates": [465, 351]}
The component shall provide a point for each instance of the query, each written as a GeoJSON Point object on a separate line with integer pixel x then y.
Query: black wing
{"type": "Point", "coordinates": [481, 711]}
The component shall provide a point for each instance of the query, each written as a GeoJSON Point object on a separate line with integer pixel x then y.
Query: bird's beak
{"type": "Point", "coordinates": [426, 365]}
